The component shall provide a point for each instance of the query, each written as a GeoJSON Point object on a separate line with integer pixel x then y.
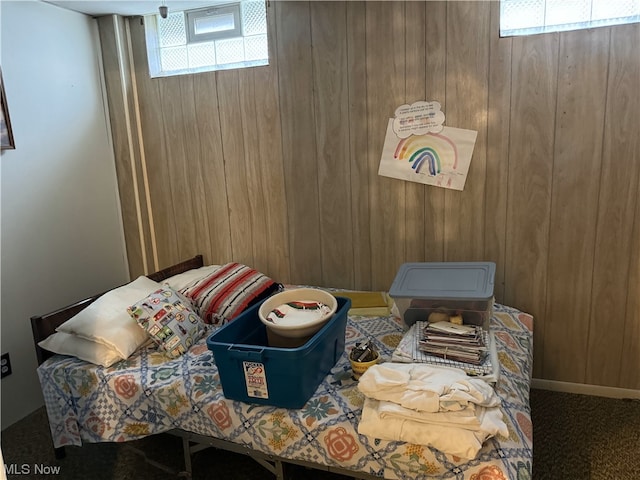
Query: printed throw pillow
{"type": "Point", "coordinates": [169, 320]}
{"type": "Point", "coordinates": [225, 293]}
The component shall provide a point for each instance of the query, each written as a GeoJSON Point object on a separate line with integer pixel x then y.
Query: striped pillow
{"type": "Point", "coordinates": [225, 293]}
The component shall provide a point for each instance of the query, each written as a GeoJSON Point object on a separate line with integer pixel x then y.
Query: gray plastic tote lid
{"type": "Point", "coordinates": [445, 280]}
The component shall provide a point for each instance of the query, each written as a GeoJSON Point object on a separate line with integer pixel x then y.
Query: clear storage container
{"type": "Point", "coordinates": [453, 288]}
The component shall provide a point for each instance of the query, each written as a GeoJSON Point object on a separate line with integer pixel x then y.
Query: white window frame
{"type": "Point", "coordinates": [192, 16]}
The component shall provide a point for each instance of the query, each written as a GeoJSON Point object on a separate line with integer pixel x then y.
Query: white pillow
{"type": "Point", "coordinates": [182, 280]}
{"type": "Point", "coordinates": [106, 320]}
{"type": "Point", "coordinates": [86, 350]}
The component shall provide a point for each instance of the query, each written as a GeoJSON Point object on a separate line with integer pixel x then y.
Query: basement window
{"type": "Point", "coordinates": [218, 37]}
{"type": "Point", "coordinates": [213, 23]}
{"type": "Point", "coordinates": [527, 17]}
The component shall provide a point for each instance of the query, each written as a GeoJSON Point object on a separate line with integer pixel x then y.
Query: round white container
{"type": "Point", "coordinates": [302, 326]}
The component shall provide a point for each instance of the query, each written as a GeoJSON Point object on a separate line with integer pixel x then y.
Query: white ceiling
{"type": "Point", "coordinates": [97, 8]}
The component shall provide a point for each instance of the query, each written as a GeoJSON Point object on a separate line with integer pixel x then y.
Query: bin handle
{"type": "Point", "coordinates": [245, 352]}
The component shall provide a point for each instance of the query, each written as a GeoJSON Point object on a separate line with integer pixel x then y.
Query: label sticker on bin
{"type": "Point", "coordinates": [255, 379]}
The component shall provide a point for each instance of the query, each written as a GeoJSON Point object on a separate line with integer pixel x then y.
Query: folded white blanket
{"type": "Point", "coordinates": [470, 418]}
{"type": "Point", "coordinates": [450, 439]}
{"type": "Point", "coordinates": [425, 387]}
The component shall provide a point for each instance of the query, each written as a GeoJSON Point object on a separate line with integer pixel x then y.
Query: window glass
{"type": "Point", "coordinates": [525, 17]}
{"type": "Point", "coordinates": [214, 23]}
{"type": "Point", "coordinates": [219, 23]}
{"type": "Point", "coordinates": [219, 37]}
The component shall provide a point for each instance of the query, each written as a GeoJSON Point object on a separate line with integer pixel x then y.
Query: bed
{"type": "Point", "coordinates": [150, 393]}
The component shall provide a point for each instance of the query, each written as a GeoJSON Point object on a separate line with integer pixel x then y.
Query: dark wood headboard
{"type": "Point", "coordinates": [45, 325]}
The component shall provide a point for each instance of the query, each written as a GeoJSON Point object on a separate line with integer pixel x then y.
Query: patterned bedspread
{"type": "Point", "coordinates": [149, 393]}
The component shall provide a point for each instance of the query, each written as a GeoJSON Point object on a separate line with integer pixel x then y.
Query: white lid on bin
{"type": "Point", "coordinates": [445, 280]}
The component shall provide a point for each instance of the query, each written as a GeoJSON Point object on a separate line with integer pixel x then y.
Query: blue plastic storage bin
{"type": "Point", "coordinates": [253, 372]}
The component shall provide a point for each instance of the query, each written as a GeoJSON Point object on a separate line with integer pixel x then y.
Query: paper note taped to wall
{"type": "Point", "coordinates": [439, 157]}
{"type": "Point", "coordinates": [418, 118]}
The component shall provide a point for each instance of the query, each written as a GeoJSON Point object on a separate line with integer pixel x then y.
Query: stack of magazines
{"type": "Point", "coordinates": [462, 343]}
{"type": "Point", "coordinates": [408, 351]}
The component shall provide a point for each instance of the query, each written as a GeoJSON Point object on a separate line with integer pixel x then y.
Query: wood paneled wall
{"type": "Point", "coordinates": [276, 166]}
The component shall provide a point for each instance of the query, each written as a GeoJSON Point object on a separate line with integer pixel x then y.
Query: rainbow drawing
{"type": "Point", "coordinates": [439, 158]}
{"type": "Point", "coordinates": [435, 151]}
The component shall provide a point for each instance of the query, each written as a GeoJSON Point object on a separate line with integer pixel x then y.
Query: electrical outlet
{"type": "Point", "coordinates": [5, 365]}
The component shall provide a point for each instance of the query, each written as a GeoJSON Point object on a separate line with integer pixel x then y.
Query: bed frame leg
{"type": "Point", "coordinates": [280, 470]}
{"type": "Point", "coordinates": [186, 447]}
{"type": "Point", "coordinates": [60, 453]}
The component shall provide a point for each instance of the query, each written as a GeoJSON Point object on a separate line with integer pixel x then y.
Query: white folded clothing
{"type": "Point", "coordinates": [473, 418]}
{"type": "Point", "coordinates": [470, 418]}
{"type": "Point", "coordinates": [426, 388]}
{"type": "Point", "coordinates": [448, 439]}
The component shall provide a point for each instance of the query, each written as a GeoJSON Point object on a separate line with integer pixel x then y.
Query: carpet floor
{"type": "Point", "coordinates": [576, 437]}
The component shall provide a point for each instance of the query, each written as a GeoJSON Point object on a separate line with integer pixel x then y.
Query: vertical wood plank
{"type": "Point", "coordinates": [534, 76]}
{"type": "Point", "coordinates": [298, 140]}
{"type": "Point", "coordinates": [236, 179]}
{"type": "Point", "coordinates": [155, 148]}
{"type": "Point", "coordinates": [193, 162]}
{"type": "Point", "coordinates": [415, 74]}
{"type": "Point", "coordinates": [436, 78]}
{"type": "Point", "coordinates": [626, 57]}
{"type": "Point", "coordinates": [467, 92]}
{"type": "Point", "coordinates": [358, 144]}
{"type": "Point", "coordinates": [613, 345]}
{"type": "Point", "coordinates": [497, 150]}
{"type": "Point", "coordinates": [630, 359]}
{"type": "Point", "coordinates": [119, 85]}
{"type": "Point", "coordinates": [174, 131]}
{"type": "Point", "coordinates": [385, 57]}
{"type": "Point", "coordinates": [256, 197]}
{"type": "Point", "coordinates": [212, 169]}
{"type": "Point", "coordinates": [576, 169]}
{"type": "Point", "coordinates": [145, 216]}
{"type": "Point", "coordinates": [270, 156]}
{"type": "Point", "coordinates": [117, 105]}
{"type": "Point", "coordinates": [328, 37]}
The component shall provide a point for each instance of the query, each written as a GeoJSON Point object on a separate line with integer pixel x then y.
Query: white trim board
{"type": "Point", "coordinates": [584, 389]}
